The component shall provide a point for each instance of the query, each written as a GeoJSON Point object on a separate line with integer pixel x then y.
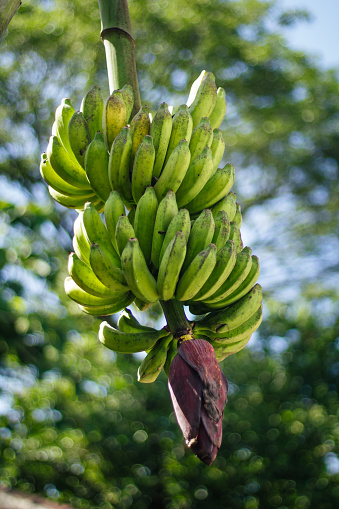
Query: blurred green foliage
{"type": "Point", "coordinates": [75, 424]}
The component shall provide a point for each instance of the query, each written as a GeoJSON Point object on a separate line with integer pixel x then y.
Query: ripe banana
{"type": "Point", "coordinates": [119, 165]}
{"type": "Point", "coordinates": [199, 172]}
{"type": "Point", "coordinates": [222, 229]}
{"type": "Point", "coordinates": [140, 127]}
{"type": "Point", "coordinates": [200, 237]}
{"type": "Point", "coordinates": [219, 110]}
{"type": "Point", "coordinates": [114, 118]}
{"type": "Point", "coordinates": [180, 222]}
{"type": "Point", "coordinates": [79, 136]}
{"type": "Point", "coordinates": [218, 148]}
{"type": "Point", "coordinates": [92, 106]}
{"type": "Point", "coordinates": [228, 204]}
{"type": "Point", "coordinates": [129, 342]}
{"type": "Point", "coordinates": [85, 278]}
{"type": "Point", "coordinates": [166, 211]}
{"type": "Point", "coordinates": [182, 127]}
{"type": "Point", "coordinates": [151, 366]}
{"type": "Point", "coordinates": [215, 189]}
{"type": "Point", "coordinates": [96, 165]}
{"type": "Point", "coordinates": [143, 168]}
{"type": "Point", "coordinates": [106, 271]}
{"type": "Point", "coordinates": [136, 272]}
{"type": "Point", "coordinates": [245, 286]}
{"type": "Point", "coordinates": [197, 273]}
{"type": "Point", "coordinates": [144, 221]}
{"type": "Point", "coordinates": [161, 129]}
{"type": "Point", "coordinates": [128, 323]}
{"type": "Point", "coordinates": [114, 208]}
{"type": "Point", "coordinates": [170, 266]}
{"type": "Point", "coordinates": [124, 231]}
{"type": "Point", "coordinates": [174, 171]}
{"type": "Point", "coordinates": [201, 102]}
{"type": "Point", "coordinates": [235, 235]}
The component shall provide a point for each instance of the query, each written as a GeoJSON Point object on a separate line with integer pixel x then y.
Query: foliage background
{"type": "Point", "coordinates": [75, 424]}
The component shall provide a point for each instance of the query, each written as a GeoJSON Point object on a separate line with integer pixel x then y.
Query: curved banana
{"type": "Point", "coordinates": [202, 137]}
{"type": "Point", "coordinates": [161, 129]}
{"type": "Point", "coordinates": [106, 271]}
{"type": "Point", "coordinates": [240, 332]}
{"type": "Point", "coordinates": [222, 229]}
{"type": "Point", "coordinates": [124, 231]}
{"type": "Point", "coordinates": [180, 222]}
{"type": "Point", "coordinates": [219, 110]}
{"type": "Point", "coordinates": [114, 208]}
{"type": "Point", "coordinates": [79, 136]}
{"type": "Point", "coordinates": [228, 204]}
{"type": "Point", "coordinates": [128, 323]}
{"type": "Point", "coordinates": [128, 97]}
{"type": "Point", "coordinates": [72, 201]}
{"type": "Point", "coordinates": [84, 298]}
{"type": "Point", "coordinates": [235, 235]}
{"type": "Point", "coordinates": [63, 115]}
{"type": "Point", "coordinates": [151, 366]}
{"type": "Point", "coordinates": [204, 99]}
{"type": "Point", "coordinates": [238, 217]}
{"type": "Point", "coordinates": [143, 168]}
{"type": "Point", "coordinates": [200, 237]}
{"type": "Point", "coordinates": [96, 233]}
{"type": "Point", "coordinates": [56, 182]}
{"type": "Point", "coordinates": [140, 127]}
{"type": "Point", "coordinates": [119, 164]}
{"type": "Point", "coordinates": [80, 244]}
{"type": "Point", "coordinates": [215, 189]}
{"type": "Point", "coordinates": [170, 266]}
{"type": "Point", "coordinates": [144, 221]}
{"type": "Point", "coordinates": [221, 352]}
{"type": "Point", "coordinates": [182, 127]}
{"type": "Point", "coordinates": [167, 209]}
{"type": "Point", "coordinates": [174, 171]}
{"type": "Point", "coordinates": [118, 303]}
{"type": "Point", "coordinates": [85, 278]}
{"type": "Point", "coordinates": [129, 342]}
{"type": "Point", "coordinates": [136, 272]}
{"type": "Point", "coordinates": [114, 118]}
{"type": "Point", "coordinates": [92, 106]}
{"type": "Point", "coordinates": [197, 273]}
{"type": "Point", "coordinates": [96, 165]}
{"type": "Point", "coordinates": [199, 172]}
{"type": "Point", "coordinates": [218, 148]}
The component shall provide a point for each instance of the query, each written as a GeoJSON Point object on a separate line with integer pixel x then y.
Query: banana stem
{"type": "Point", "coordinates": [176, 320]}
{"type": "Point", "coordinates": [116, 34]}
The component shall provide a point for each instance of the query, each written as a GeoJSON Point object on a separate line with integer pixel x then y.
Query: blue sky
{"type": "Point", "coordinates": [320, 36]}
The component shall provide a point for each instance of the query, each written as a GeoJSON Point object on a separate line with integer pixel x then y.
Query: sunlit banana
{"type": "Point", "coordinates": [56, 182]}
{"type": "Point", "coordinates": [118, 303]}
{"type": "Point", "coordinates": [85, 278]}
{"type": "Point", "coordinates": [240, 332]}
{"type": "Point", "coordinates": [144, 221]}
{"type": "Point", "coordinates": [199, 172]}
{"type": "Point", "coordinates": [171, 353]}
{"type": "Point", "coordinates": [225, 262]}
{"type": "Point", "coordinates": [128, 98]}
{"type": "Point", "coordinates": [143, 168]}
{"type": "Point", "coordinates": [200, 237]}
{"type": "Point", "coordinates": [79, 136]}
{"type": "Point", "coordinates": [238, 217]}
{"type": "Point", "coordinates": [72, 201]}
{"type": "Point", "coordinates": [170, 266]}
{"type": "Point", "coordinates": [63, 115]}
{"type": "Point", "coordinates": [136, 272]}
{"type": "Point", "coordinates": [202, 136]}
{"type": "Point", "coordinates": [218, 148]}
{"type": "Point", "coordinates": [114, 208]}
{"type": "Point", "coordinates": [92, 106]}
{"type": "Point", "coordinates": [182, 127]}
{"type": "Point", "coordinates": [140, 127]}
{"type": "Point", "coordinates": [235, 235]}
{"type": "Point", "coordinates": [106, 271]}
{"type": "Point", "coordinates": [201, 103]}
{"type": "Point", "coordinates": [129, 342]}
{"type": "Point", "coordinates": [161, 129]}
{"type": "Point", "coordinates": [80, 243]}
{"type": "Point", "coordinates": [114, 118]}
{"type": "Point", "coordinates": [124, 231]}
{"type": "Point", "coordinates": [222, 229]}
{"type": "Point", "coordinates": [239, 273]}
{"type": "Point", "coordinates": [128, 323]}
{"type": "Point", "coordinates": [219, 110]}
{"type": "Point", "coordinates": [180, 222]}
{"type": "Point", "coordinates": [96, 165]}
{"type": "Point", "coordinates": [84, 298]}
{"type": "Point", "coordinates": [119, 164]}
{"type": "Point", "coordinates": [245, 286]}
{"type": "Point", "coordinates": [228, 204]}
{"type": "Point", "coordinates": [152, 364]}
{"type": "Point", "coordinates": [215, 189]}
{"type": "Point", "coordinates": [174, 171]}
{"type": "Point", "coordinates": [232, 316]}
{"type": "Point", "coordinates": [196, 273]}
{"type": "Point", "coordinates": [166, 211]}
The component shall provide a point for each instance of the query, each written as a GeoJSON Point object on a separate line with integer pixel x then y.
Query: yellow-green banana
{"type": "Point", "coordinates": [170, 266]}
{"type": "Point", "coordinates": [245, 286]}
{"type": "Point", "coordinates": [202, 97]}
{"type": "Point", "coordinates": [197, 273]}
{"type": "Point", "coordinates": [140, 127]}
{"type": "Point", "coordinates": [84, 298]}
{"type": "Point", "coordinates": [240, 332]}
{"type": "Point", "coordinates": [219, 110]}
{"type": "Point", "coordinates": [119, 165]}
{"type": "Point", "coordinates": [80, 243]}
{"type": "Point", "coordinates": [161, 129]}
{"type": "Point", "coordinates": [128, 323]}
{"type": "Point", "coordinates": [151, 366]}
{"type": "Point", "coordinates": [124, 231]}
{"type": "Point", "coordinates": [72, 201]}
{"type": "Point", "coordinates": [167, 209]}
{"type": "Point", "coordinates": [202, 137]}
{"type": "Point", "coordinates": [114, 208]}
{"type": "Point", "coordinates": [171, 353]}
{"type": "Point", "coordinates": [235, 235]}
{"type": "Point", "coordinates": [96, 165]}
{"type": "Point", "coordinates": [143, 168]}
{"type": "Point", "coordinates": [128, 97]}
{"type": "Point", "coordinates": [55, 181]}
{"type": "Point", "coordinates": [174, 171]}
{"type": "Point", "coordinates": [63, 115]}
{"type": "Point", "coordinates": [114, 118]}
{"type": "Point", "coordinates": [228, 204]}
{"type": "Point", "coordinates": [144, 221]}
{"type": "Point", "coordinates": [85, 278]}
{"type": "Point", "coordinates": [106, 271]}
{"type": "Point", "coordinates": [199, 172]}
{"type": "Point", "coordinates": [182, 127]}
{"type": "Point", "coordinates": [200, 237]}
{"type": "Point", "coordinates": [238, 217]}
{"type": "Point", "coordinates": [222, 229]}
{"type": "Point", "coordinates": [79, 136]}
{"type": "Point", "coordinates": [118, 303]}
{"type": "Point", "coordinates": [129, 342]}
{"type": "Point", "coordinates": [92, 106]}
{"type": "Point", "coordinates": [218, 148]}
{"type": "Point", "coordinates": [180, 222]}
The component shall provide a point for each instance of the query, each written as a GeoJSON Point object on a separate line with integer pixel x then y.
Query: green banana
{"type": "Point", "coordinates": [55, 181]}
{"type": "Point", "coordinates": [239, 273]}
{"type": "Point", "coordinates": [202, 137]}
{"type": "Point", "coordinates": [63, 115]}
{"type": "Point", "coordinates": [225, 262]}
{"type": "Point", "coordinates": [114, 118]}
{"type": "Point", "coordinates": [119, 164]}
{"type": "Point", "coordinates": [128, 97]}
{"type": "Point", "coordinates": [167, 209]}
{"type": "Point", "coordinates": [144, 221]}
{"type": "Point", "coordinates": [218, 148]}
{"type": "Point", "coordinates": [201, 102]}
{"type": "Point", "coordinates": [129, 342]}
{"type": "Point", "coordinates": [161, 129]}
{"type": "Point", "coordinates": [84, 298]}
{"type": "Point", "coordinates": [221, 352]}
{"type": "Point", "coordinates": [245, 286]}
{"type": "Point", "coordinates": [141, 305]}
{"type": "Point", "coordinates": [235, 235]}
{"type": "Point", "coordinates": [171, 353]}
{"type": "Point", "coordinates": [199, 172]}
{"type": "Point", "coordinates": [182, 127]}
{"type": "Point", "coordinates": [240, 332]}
{"type": "Point", "coordinates": [232, 316]}
{"type": "Point", "coordinates": [140, 127]}
{"type": "Point", "coordinates": [200, 237]}
{"type": "Point", "coordinates": [85, 278]}
{"type": "Point", "coordinates": [72, 201]}
{"type": "Point", "coordinates": [143, 168]}
{"type": "Point", "coordinates": [96, 165]}
{"type": "Point", "coordinates": [118, 303]}
{"type": "Point", "coordinates": [114, 208]}
{"type": "Point", "coordinates": [128, 323]}
{"type": "Point", "coordinates": [228, 204]}
{"type": "Point", "coordinates": [136, 272]}
{"type": "Point", "coordinates": [222, 229]}
{"type": "Point", "coordinates": [92, 106]}
{"type": "Point", "coordinates": [238, 217]}
{"type": "Point", "coordinates": [131, 215]}
{"type": "Point", "coordinates": [80, 244]}
{"type": "Point", "coordinates": [106, 271]}
{"type": "Point", "coordinates": [180, 222]}
{"type": "Point", "coordinates": [67, 168]}
{"type": "Point", "coordinates": [170, 266]}
{"type": "Point", "coordinates": [79, 136]}
{"type": "Point", "coordinates": [123, 232]}
{"type": "Point", "coordinates": [154, 361]}
{"type": "Point", "coordinates": [174, 171]}
{"type": "Point", "coordinates": [215, 189]}
{"type": "Point", "coordinates": [219, 110]}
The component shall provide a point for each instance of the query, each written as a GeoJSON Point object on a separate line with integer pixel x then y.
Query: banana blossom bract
{"type": "Point", "coordinates": [198, 390]}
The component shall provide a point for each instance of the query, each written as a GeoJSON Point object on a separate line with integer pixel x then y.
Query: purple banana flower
{"type": "Point", "coordinates": [198, 390]}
